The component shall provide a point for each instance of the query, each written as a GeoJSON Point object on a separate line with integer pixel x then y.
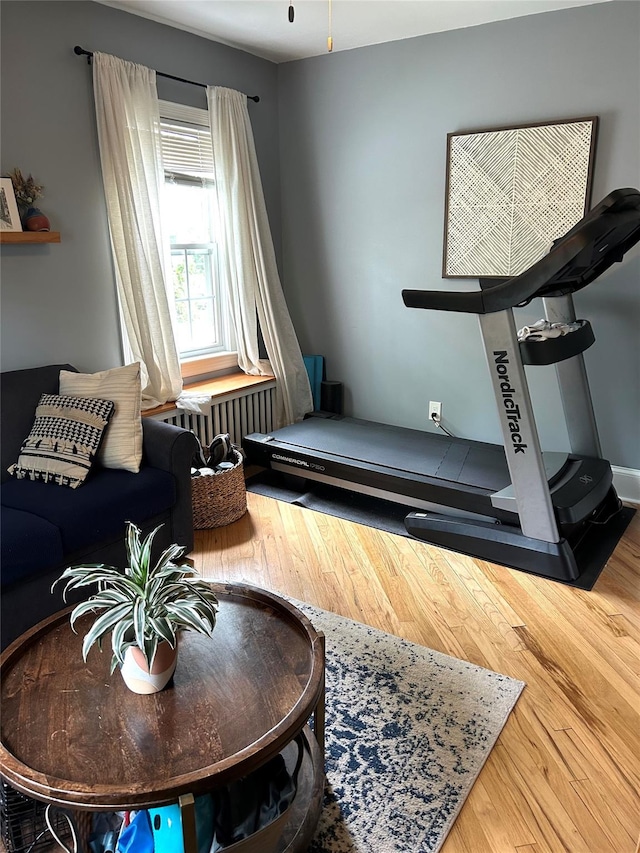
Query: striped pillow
{"type": "Point", "coordinates": [63, 441]}
{"type": "Point", "coordinates": [122, 446]}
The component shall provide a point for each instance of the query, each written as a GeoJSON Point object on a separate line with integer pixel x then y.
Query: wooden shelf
{"type": "Point", "coordinates": [15, 237]}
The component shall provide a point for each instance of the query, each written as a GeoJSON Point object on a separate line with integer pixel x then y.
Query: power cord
{"type": "Point", "coordinates": [619, 508]}
{"type": "Point", "coordinates": [438, 423]}
{"type": "Point", "coordinates": [54, 834]}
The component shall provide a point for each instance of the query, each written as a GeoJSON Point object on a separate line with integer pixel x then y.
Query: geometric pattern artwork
{"type": "Point", "coordinates": [511, 192]}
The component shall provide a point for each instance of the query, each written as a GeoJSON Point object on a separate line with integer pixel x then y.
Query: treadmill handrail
{"type": "Point", "coordinates": [621, 205]}
{"type": "Point", "coordinates": [507, 294]}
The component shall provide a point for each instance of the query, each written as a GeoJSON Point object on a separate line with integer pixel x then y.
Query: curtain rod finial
{"type": "Point", "coordinates": [80, 51]}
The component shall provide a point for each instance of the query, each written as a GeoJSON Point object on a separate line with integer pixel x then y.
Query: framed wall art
{"type": "Point", "coordinates": [512, 191]}
{"type": "Point", "coordinates": [9, 217]}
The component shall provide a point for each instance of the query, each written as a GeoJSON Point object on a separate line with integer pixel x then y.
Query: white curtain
{"type": "Point", "coordinates": [128, 122]}
{"type": "Point", "coordinates": [248, 263]}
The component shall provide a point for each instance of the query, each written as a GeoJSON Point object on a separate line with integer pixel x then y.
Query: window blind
{"type": "Point", "coordinates": [185, 139]}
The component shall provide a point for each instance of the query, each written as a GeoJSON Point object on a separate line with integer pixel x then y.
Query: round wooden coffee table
{"type": "Point", "coordinates": [75, 736]}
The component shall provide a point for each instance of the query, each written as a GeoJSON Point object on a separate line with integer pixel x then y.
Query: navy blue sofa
{"type": "Point", "coordinates": [46, 527]}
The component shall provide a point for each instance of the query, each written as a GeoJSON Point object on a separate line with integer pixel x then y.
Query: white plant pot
{"type": "Point", "coordinates": [135, 671]}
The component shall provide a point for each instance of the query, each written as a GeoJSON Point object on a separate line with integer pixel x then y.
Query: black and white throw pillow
{"type": "Point", "coordinates": [64, 439]}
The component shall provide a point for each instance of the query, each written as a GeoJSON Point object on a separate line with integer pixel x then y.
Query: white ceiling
{"type": "Point", "coordinates": [262, 27]}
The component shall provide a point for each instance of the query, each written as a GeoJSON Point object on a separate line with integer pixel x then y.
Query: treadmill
{"type": "Point", "coordinates": [554, 514]}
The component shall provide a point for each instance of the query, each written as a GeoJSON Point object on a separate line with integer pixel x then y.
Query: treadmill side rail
{"type": "Point", "coordinates": [495, 543]}
{"type": "Point", "coordinates": [581, 556]}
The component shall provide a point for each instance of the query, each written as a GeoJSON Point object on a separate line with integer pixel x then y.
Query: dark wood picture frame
{"type": "Point", "coordinates": [511, 191]}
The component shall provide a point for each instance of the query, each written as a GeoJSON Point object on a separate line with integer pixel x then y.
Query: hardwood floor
{"type": "Point", "coordinates": [565, 773]}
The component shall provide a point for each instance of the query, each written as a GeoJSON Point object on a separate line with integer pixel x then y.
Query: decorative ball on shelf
{"type": "Point", "coordinates": [35, 220]}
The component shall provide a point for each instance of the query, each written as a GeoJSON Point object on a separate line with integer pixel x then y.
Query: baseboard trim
{"type": "Point", "coordinates": [627, 483]}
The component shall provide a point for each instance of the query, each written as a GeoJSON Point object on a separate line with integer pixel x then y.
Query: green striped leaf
{"type": "Point", "coordinates": [133, 545]}
{"type": "Point", "coordinates": [139, 622]}
{"type": "Point", "coordinates": [90, 606]}
{"type": "Point", "coordinates": [102, 625]}
{"type": "Point", "coordinates": [173, 552]}
{"type": "Point", "coordinates": [163, 627]}
{"type": "Point", "coordinates": [149, 649]}
{"type": "Point", "coordinates": [119, 637]}
{"type": "Point", "coordinates": [188, 617]}
{"type": "Point", "coordinates": [145, 555]}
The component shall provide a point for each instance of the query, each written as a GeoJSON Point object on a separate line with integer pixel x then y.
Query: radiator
{"type": "Point", "coordinates": [238, 413]}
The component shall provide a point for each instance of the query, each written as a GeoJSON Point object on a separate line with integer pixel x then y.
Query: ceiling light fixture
{"type": "Point", "coordinates": [292, 14]}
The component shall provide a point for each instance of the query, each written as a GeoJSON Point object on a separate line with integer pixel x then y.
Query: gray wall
{"type": "Point", "coordinates": [362, 154]}
{"type": "Point", "coordinates": [59, 301]}
{"type": "Point", "coordinates": [360, 174]}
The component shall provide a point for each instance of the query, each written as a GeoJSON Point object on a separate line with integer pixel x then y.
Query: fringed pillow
{"type": "Point", "coordinates": [64, 440]}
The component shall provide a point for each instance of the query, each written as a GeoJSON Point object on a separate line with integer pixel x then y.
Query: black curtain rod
{"type": "Point", "coordinates": [80, 51]}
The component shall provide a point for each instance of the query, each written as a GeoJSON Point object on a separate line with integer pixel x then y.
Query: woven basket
{"type": "Point", "coordinates": [219, 498]}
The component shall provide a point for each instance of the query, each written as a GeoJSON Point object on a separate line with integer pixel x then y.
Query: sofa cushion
{"type": "Point", "coordinates": [122, 445]}
{"type": "Point", "coordinates": [29, 544]}
{"type": "Point", "coordinates": [64, 439]}
{"type": "Point", "coordinates": [97, 512]}
{"type": "Point", "coordinates": [21, 390]}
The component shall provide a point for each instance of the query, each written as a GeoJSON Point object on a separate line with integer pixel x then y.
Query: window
{"type": "Point", "coordinates": [200, 318]}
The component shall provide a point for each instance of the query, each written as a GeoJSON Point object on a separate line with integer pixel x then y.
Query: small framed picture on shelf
{"type": "Point", "coordinates": [9, 216]}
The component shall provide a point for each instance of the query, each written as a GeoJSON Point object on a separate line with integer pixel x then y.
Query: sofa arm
{"type": "Point", "coordinates": [172, 449]}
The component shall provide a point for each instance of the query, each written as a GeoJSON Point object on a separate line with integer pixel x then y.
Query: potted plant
{"type": "Point", "coordinates": [144, 607]}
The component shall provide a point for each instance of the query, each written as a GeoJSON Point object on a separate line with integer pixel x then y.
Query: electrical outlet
{"type": "Point", "coordinates": [435, 411]}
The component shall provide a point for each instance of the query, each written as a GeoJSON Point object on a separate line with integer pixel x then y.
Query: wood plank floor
{"type": "Point", "coordinates": [565, 773]}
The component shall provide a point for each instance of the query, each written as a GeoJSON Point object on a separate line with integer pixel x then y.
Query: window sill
{"type": "Point", "coordinates": [205, 365]}
{"type": "Point", "coordinates": [218, 389]}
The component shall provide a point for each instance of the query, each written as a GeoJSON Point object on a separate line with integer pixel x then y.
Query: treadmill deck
{"type": "Point", "coordinates": [363, 443]}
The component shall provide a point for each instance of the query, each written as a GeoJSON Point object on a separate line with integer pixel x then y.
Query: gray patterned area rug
{"type": "Point", "coordinates": [408, 730]}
